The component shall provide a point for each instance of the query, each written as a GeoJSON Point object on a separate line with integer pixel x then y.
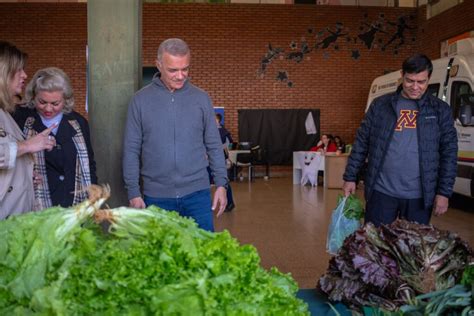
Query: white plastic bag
{"type": "Point", "coordinates": [339, 228]}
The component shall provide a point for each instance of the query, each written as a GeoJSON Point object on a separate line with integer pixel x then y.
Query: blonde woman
{"type": "Point", "coordinates": [16, 161]}
{"type": "Point", "coordinates": [69, 168]}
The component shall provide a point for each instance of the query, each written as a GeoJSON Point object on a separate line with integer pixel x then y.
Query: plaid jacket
{"type": "Point", "coordinates": [78, 161]}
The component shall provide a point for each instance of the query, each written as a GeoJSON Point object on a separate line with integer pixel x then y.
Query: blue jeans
{"type": "Point", "coordinates": [196, 205]}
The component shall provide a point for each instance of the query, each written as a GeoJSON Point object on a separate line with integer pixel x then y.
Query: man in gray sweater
{"type": "Point", "coordinates": [170, 139]}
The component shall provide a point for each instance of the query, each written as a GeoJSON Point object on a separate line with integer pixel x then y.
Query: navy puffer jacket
{"type": "Point", "coordinates": [437, 142]}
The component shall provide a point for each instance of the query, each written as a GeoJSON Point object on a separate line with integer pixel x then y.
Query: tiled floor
{"type": "Point", "coordinates": [288, 225]}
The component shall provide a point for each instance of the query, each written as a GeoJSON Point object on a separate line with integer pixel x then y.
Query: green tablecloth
{"type": "Point", "coordinates": [318, 304]}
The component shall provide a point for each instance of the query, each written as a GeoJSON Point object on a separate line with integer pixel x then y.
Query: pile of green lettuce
{"type": "Point", "coordinates": [147, 262]}
{"type": "Point", "coordinates": [389, 266]}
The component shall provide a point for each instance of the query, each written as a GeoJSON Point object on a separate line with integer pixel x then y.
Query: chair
{"type": "Point", "coordinates": [244, 146]}
{"type": "Point", "coordinates": [259, 158]}
{"type": "Point", "coordinates": [348, 148]}
{"type": "Point", "coordinates": [256, 157]}
{"type": "Point", "coordinates": [243, 160]}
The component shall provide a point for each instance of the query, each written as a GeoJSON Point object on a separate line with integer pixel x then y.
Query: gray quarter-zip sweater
{"type": "Point", "coordinates": [173, 137]}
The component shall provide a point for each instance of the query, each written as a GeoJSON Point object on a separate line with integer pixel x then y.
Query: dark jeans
{"type": "Point", "coordinates": [230, 196]}
{"type": "Point", "coordinates": [196, 205]}
{"type": "Point", "coordinates": [385, 209]}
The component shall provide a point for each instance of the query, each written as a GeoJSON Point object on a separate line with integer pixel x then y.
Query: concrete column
{"type": "Point", "coordinates": [114, 74]}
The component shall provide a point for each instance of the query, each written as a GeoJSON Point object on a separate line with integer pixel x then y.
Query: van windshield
{"type": "Point", "coordinates": [458, 88]}
{"type": "Point", "coordinates": [433, 89]}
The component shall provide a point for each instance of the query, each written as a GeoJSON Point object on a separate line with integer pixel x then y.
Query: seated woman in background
{"type": "Point", "coordinates": [69, 168]}
{"type": "Point", "coordinates": [16, 162]}
{"type": "Point", "coordinates": [341, 147]}
{"type": "Point", "coordinates": [325, 145]}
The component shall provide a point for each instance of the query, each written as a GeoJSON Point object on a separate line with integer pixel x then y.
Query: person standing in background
{"type": "Point", "coordinates": [170, 139]}
{"type": "Point", "coordinates": [16, 161]}
{"type": "Point", "coordinates": [226, 139]}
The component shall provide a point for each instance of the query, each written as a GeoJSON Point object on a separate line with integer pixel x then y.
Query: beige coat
{"type": "Point", "coordinates": [16, 173]}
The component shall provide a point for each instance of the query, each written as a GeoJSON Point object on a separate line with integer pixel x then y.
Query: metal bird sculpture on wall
{"type": "Point", "coordinates": [331, 39]}
{"type": "Point", "coordinates": [372, 34]}
{"type": "Point", "coordinates": [269, 57]}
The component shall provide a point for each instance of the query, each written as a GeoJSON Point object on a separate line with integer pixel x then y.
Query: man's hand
{"type": "Point", "coordinates": [440, 205]}
{"type": "Point", "coordinates": [137, 203]}
{"type": "Point", "coordinates": [349, 188]}
{"type": "Point", "coordinates": [220, 199]}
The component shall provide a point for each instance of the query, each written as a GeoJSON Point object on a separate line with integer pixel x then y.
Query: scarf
{"type": "Point", "coordinates": [49, 122]}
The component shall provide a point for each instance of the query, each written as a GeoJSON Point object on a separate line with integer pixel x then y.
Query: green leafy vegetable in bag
{"type": "Point", "coordinates": [341, 226]}
{"type": "Point", "coordinates": [354, 207]}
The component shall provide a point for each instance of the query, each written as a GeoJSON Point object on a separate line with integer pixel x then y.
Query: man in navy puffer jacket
{"type": "Point", "coordinates": [410, 143]}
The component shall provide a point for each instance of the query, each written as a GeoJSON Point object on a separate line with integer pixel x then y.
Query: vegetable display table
{"type": "Point", "coordinates": [318, 303]}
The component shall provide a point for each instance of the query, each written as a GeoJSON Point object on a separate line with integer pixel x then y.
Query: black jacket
{"type": "Point", "coordinates": [437, 142]}
{"type": "Point", "coordinates": [61, 161]}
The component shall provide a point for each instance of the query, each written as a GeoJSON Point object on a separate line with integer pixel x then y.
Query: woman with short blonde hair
{"type": "Point", "coordinates": [50, 79]}
{"type": "Point", "coordinates": [69, 168]}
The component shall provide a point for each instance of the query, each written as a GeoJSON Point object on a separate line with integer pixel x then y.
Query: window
{"type": "Point", "coordinates": [436, 7]}
{"type": "Point", "coordinates": [433, 89]}
{"type": "Point", "coordinates": [148, 73]}
{"type": "Point", "coordinates": [458, 88]}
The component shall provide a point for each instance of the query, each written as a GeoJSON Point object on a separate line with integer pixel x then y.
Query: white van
{"type": "Point", "coordinates": [452, 80]}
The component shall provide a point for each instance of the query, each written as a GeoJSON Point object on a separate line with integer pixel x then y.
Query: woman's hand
{"type": "Point", "coordinates": [38, 142]}
{"type": "Point", "coordinates": [37, 179]}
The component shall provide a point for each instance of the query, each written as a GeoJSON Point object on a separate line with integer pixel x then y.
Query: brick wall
{"type": "Point", "coordinates": [53, 34]}
{"type": "Point", "coordinates": [455, 21]}
{"type": "Point", "coordinates": [228, 43]}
